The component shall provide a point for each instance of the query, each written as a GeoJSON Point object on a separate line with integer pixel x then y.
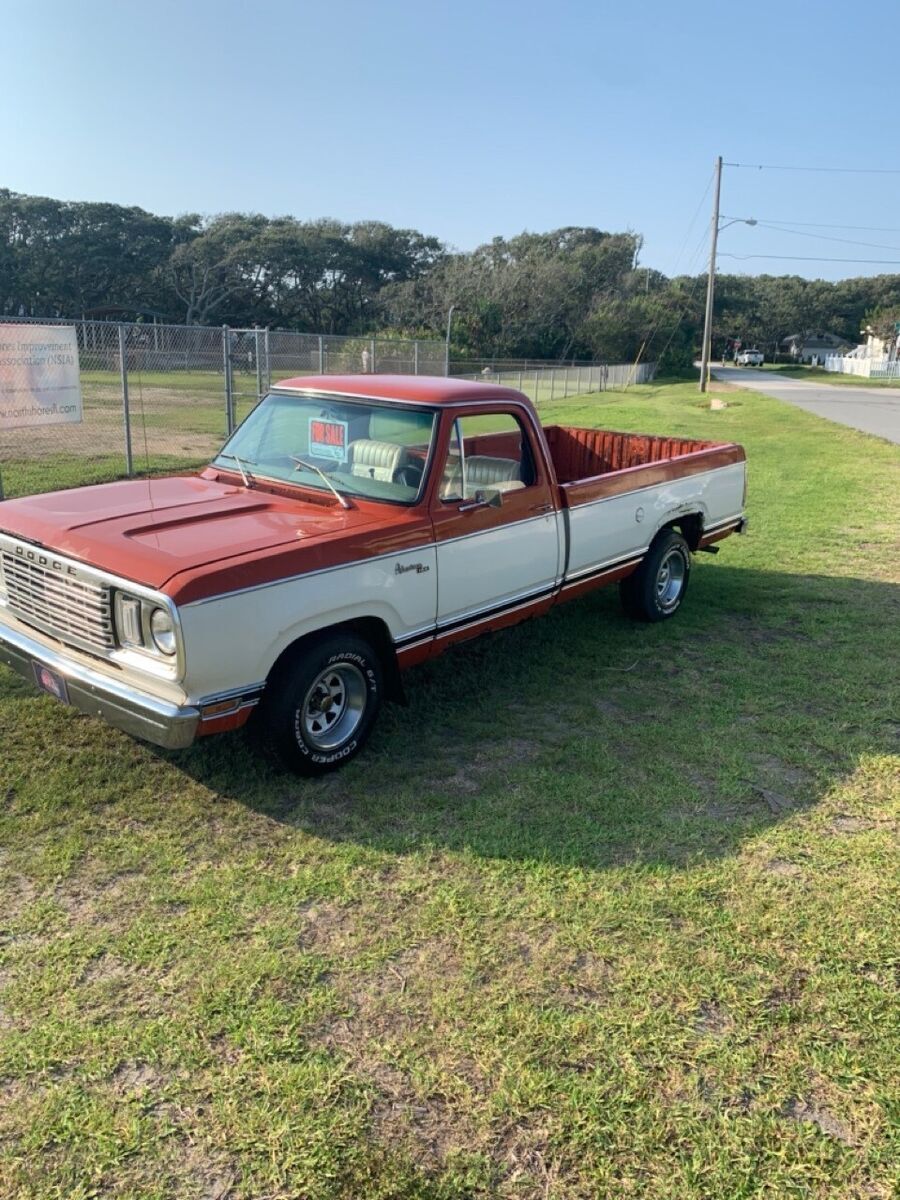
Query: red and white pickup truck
{"type": "Point", "coordinates": [350, 528]}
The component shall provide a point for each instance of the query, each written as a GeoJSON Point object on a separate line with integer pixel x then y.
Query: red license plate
{"type": "Point", "coordinates": [50, 681]}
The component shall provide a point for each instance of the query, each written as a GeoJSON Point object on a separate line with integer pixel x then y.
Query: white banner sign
{"type": "Point", "coordinates": [39, 380]}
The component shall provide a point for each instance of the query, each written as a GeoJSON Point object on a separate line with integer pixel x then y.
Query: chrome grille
{"type": "Point", "coordinates": [73, 610]}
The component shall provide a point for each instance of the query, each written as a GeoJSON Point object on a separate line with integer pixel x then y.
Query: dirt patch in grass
{"type": "Point", "coordinates": [788, 992]}
{"type": "Point", "coordinates": [425, 1125]}
{"type": "Point", "coordinates": [467, 771]}
{"type": "Point", "coordinates": [19, 893]}
{"type": "Point", "coordinates": [782, 869]}
{"type": "Point", "coordinates": [328, 926]}
{"type": "Point", "coordinates": [711, 805]}
{"type": "Point", "coordinates": [712, 1020]}
{"type": "Point", "coordinates": [135, 1078]}
{"type": "Point", "coordinates": [777, 783]}
{"type": "Point", "coordinates": [585, 984]}
{"type": "Point", "coordinates": [403, 1114]}
{"type": "Point", "coordinates": [844, 823]}
{"type": "Point", "coordinates": [810, 1110]}
{"type": "Point", "coordinates": [201, 1173]}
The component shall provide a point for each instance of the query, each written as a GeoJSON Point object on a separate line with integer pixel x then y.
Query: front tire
{"type": "Point", "coordinates": [656, 590]}
{"type": "Point", "coordinates": [321, 703]}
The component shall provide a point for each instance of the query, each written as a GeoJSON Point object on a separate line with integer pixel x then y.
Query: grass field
{"type": "Point", "coordinates": [820, 375]}
{"type": "Point", "coordinates": [607, 911]}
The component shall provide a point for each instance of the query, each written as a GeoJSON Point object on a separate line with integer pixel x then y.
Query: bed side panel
{"type": "Point", "coordinates": [608, 527]}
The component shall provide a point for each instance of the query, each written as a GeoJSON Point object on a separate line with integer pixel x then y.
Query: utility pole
{"type": "Point", "coordinates": [711, 281]}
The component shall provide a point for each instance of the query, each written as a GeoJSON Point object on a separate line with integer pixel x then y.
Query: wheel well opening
{"type": "Point", "coordinates": [690, 526]}
{"type": "Point", "coordinates": [371, 629]}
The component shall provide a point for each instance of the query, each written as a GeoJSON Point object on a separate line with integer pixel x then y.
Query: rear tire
{"type": "Point", "coordinates": [321, 703]}
{"type": "Point", "coordinates": [655, 591]}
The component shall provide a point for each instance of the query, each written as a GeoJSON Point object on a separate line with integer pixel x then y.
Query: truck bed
{"type": "Point", "coordinates": [592, 463]}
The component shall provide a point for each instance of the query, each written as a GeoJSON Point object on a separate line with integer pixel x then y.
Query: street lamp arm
{"type": "Point", "coordinates": [738, 221]}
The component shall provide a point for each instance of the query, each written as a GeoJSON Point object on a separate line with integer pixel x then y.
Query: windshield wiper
{"type": "Point", "coordinates": [342, 500]}
{"type": "Point", "coordinates": [245, 474]}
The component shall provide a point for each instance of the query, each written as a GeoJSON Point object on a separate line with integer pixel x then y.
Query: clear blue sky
{"type": "Point", "coordinates": [468, 120]}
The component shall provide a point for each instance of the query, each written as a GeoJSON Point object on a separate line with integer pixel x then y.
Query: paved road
{"type": "Point", "coordinates": [873, 410]}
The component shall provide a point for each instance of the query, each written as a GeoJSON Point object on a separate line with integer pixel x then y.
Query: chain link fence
{"type": "Point", "coordinates": [544, 384]}
{"type": "Point", "coordinates": [161, 397]}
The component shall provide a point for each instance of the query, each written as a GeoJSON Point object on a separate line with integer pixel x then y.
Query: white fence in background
{"type": "Point", "coordinates": [869, 368]}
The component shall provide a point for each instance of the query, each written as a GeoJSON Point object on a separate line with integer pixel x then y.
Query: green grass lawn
{"type": "Point", "coordinates": [820, 375]}
{"type": "Point", "coordinates": [608, 911]}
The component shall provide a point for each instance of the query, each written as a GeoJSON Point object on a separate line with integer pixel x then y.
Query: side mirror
{"type": "Point", "coordinates": [483, 499]}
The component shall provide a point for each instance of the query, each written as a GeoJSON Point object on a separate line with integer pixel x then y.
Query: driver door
{"type": "Point", "coordinates": [495, 522]}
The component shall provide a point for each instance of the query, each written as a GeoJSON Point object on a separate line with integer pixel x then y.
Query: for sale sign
{"type": "Point", "coordinates": [39, 380]}
{"type": "Point", "coordinates": [328, 439]}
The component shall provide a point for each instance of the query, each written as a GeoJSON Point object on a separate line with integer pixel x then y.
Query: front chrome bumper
{"type": "Point", "coordinates": [116, 702]}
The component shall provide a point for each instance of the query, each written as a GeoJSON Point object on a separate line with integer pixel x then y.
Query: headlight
{"type": "Point", "coordinates": [162, 630]}
{"type": "Point", "coordinates": [145, 625]}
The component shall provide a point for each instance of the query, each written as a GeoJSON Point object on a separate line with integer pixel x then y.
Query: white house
{"type": "Point", "coordinates": [814, 347]}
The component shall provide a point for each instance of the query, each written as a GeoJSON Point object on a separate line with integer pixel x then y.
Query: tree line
{"type": "Point", "coordinates": [571, 293]}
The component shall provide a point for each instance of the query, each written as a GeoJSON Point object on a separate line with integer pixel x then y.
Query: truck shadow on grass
{"type": "Point", "coordinates": [582, 739]}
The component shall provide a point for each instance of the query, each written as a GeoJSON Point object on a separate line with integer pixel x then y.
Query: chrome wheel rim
{"type": "Point", "coordinates": [670, 580]}
{"type": "Point", "coordinates": [334, 706]}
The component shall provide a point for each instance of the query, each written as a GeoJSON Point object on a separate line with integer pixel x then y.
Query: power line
{"type": "Point", "coordinates": [689, 230]}
{"type": "Point", "coordinates": [820, 224]}
{"type": "Point", "coordinates": [885, 262]}
{"type": "Point", "coordinates": [821, 237]}
{"type": "Point", "coordinates": [654, 328]}
{"type": "Point", "coordinates": [829, 170]}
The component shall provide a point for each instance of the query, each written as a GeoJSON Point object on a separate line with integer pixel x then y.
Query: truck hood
{"type": "Point", "coordinates": [150, 531]}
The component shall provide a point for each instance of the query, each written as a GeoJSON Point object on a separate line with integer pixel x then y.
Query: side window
{"type": "Point", "coordinates": [488, 453]}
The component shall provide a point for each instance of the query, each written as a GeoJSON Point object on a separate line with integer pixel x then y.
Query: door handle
{"type": "Point", "coordinates": [542, 508]}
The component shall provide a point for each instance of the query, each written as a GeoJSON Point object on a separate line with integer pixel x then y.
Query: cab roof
{"type": "Point", "coordinates": [414, 389]}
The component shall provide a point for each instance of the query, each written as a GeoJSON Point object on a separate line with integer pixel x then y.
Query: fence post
{"type": "Point", "coordinates": [268, 360]}
{"type": "Point", "coordinates": [552, 383]}
{"type": "Point", "coordinates": [372, 367]}
{"type": "Point", "coordinates": [126, 410]}
{"type": "Point", "coordinates": [520, 381]}
{"type": "Point", "coordinates": [416, 357]}
{"type": "Point", "coordinates": [258, 368]}
{"type": "Point", "coordinates": [226, 368]}
{"type": "Point", "coordinates": [536, 386]}
{"type": "Point", "coordinates": [321, 355]}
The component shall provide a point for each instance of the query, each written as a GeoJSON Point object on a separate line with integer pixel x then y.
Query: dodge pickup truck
{"type": "Point", "coordinates": [350, 528]}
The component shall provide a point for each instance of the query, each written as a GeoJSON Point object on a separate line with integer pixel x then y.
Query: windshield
{"type": "Point", "coordinates": [334, 443]}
